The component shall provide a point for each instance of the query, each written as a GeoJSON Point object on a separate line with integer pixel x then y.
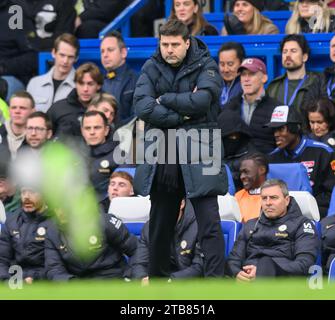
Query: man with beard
{"type": "Point", "coordinates": [253, 171]}
{"type": "Point", "coordinates": [22, 237]}
{"type": "Point", "coordinates": [293, 146]}
{"type": "Point", "coordinates": [297, 87]}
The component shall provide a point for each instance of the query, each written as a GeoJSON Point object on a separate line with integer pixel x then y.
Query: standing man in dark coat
{"type": "Point", "coordinates": [281, 242]}
{"type": "Point", "coordinates": [179, 88]}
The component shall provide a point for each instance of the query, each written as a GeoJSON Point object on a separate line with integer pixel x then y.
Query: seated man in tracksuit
{"type": "Point", "coordinates": [186, 257]}
{"type": "Point", "coordinates": [281, 242]}
{"type": "Point", "coordinates": [293, 146]}
{"type": "Point", "coordinates": [328, 241]}
{"type": "Point", "coordinates": [108, 250]}
{"type": "Point", "coordinates": [22, 237]}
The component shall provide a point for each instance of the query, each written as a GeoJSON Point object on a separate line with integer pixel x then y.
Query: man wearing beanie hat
{"type": "Point", "coordinates": [254, 106]}
{"type": "Point", "coordinates": [258, 4]}
{"type": "Point", "coordinates": [247, 19]}
{"type": "Point", "coordinates": [268, 5]}
{"type": "Point", "coordinates": [293, 146]}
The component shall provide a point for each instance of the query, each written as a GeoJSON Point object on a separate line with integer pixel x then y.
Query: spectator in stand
{"type": "Point", "coordinates": [190, 13]}
{"type": "Point", "coordinates": [297, 87]}
{"type": "Point", "coordinates": [281, 242]}
{"type": "Point", "coordinates": [120, 79]}
{"type": "Point", "coordinates": [328, 241]}
{"type": "Point", "coordinates": [142, 22]}
{"type": "Point", "coordinates": [13, 132]}
{"type": "Point", "coordinates": [38, 132]}
{"type": "Point", "coordinates": [310, 16]}
{"type": "Point", "coordinates": [247, 19]}
{"type": "Point", "coordinates": [321, 121]}
{"type": "Point", "coordinates": [58, 82]}
{"type": "Point", "coordinates": [293, 146]}
{"type": "Point", "coordinates": [231, 55]}
{"type": "Point", "coordinates": [96, 15]}
{"type": "Point", "coordinates": [18, 60]}
{"type": "Point", "coordinates": [22, 238]}
{"type": "Point", "coordinates": [101, 164]}
{"type": "Point", "coordinates": [186, 257]}
{"type": "Point", "coordinates": [45, 20]}
{"type": "Point", "coordinates": [236, 138]}
{"type": "Point", "coordinates": [254, 105]}
{"type": "Point", "coordinates": [66, 114]}
{"type": "Point", "coordinates": [328, 77]}
{"type": "Point", "coordinates": [253, 171]}
{"type": "Point", "coordinates": [107, 104]}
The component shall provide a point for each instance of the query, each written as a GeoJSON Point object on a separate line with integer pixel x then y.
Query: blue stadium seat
{"type": "Point", "coordinates": [294, 174]}
{"type": "Point", "coordinates": [231, 185]}
{"type": "Point", "coordinates": [230, 229]}
{"type": "Point", "coordinates": [331, 275]}
{"type": "Point", "coordinates": [130, 170]}
{"type": "Point", "coordinates": [133, 211]}
{"type": "Point", "coordinates": [230, 216]}
{"type": "Point", "coordinates": [331, 209]}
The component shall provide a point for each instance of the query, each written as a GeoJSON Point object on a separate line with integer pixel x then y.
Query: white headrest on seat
{"type": "Point", "coordinates": [2, 213]}
{"type": "Point", "coordinates": [229, 208]}
{"type": "Point", "coordinates": [307, 204]}
{"type": "Point", "coordinates": [131, 209]}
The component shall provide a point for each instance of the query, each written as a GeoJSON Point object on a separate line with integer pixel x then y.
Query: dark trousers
{"type": "Point", "coordinates": [163, 218]}
{"type": "Point", "coordinates": [266, 267]}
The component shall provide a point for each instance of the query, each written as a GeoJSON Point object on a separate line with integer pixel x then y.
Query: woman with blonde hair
{"type": "Point", "coordinates": [247, 19]}
{"type": "Point", "coordinates": [190, 13]}
{"type": "Point", "coordinates": [311, 16]}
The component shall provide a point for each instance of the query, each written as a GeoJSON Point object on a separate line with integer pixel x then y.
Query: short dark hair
{"type": "Point", "coordinates": [276, 182]}
{"type": "Point", "coordinates": [294, 128]}
{"type": "Point", "coordinates": [300, 39]}
{"type": "Point", "coordinates": [40, 114]}
{"type": "Point", "coordinates": [174, 27]}
{"type": "Point", "coordinates": [69, 39]}
{"type": "Point", "coordinates": [326, 108]}
{"type": "Point", "coordinates": [259, 158]}
{"type": "Point", "coordinates": [115, 34]}
{"type": "Point", "coordinates": [237, 47]}
{"type": "Point", "coordinates": [93, 113]}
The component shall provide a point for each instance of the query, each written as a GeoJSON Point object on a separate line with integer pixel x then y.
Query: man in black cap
{"type": "Point", "coordinates": [293, 146]}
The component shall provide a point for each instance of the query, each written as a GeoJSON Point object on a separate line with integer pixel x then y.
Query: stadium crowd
{"type": "Point", "coordinates": [89, 107]}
